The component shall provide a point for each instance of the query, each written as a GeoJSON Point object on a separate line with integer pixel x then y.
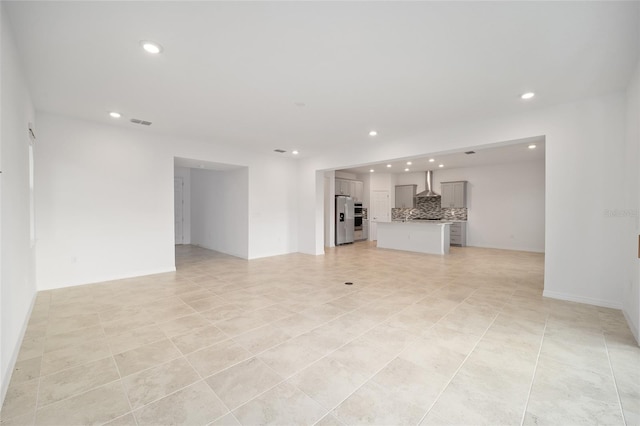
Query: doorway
{"type": "Point", "coordinates": [211, 206]}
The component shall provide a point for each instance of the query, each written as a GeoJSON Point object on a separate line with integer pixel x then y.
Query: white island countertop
{"type": "Point", "coordinates": [422, 236]}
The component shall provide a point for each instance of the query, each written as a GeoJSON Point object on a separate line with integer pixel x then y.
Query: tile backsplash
{"type": "Point", "coordinates": [429, 208]}
{"type": "Point", "coordinates": [454, 213]}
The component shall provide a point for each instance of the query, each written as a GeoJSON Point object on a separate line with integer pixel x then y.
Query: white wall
{"type": "Point", "coordinates": [311, 204]}
{"type": "Point", "coordinates": [412, 178]}
{"type": "Point", "coordinates": [219, 210]}
{"type": "Point", "coordinates": [104, 200]}
{"type": "Point", "coordinates": [585, 158]}
{"type": "Point", "coordinates": [631, 208]}
{"type": "Point", "coordinates": [17, 281]}
{"type": "Point", "coordinates": [185, 174]}
{"type": "Point", "coordinates": [329, 208]}
{"type": "Point", "coordinates": [505, 204]}
{"type": "Point", "coordinates": [105, 208]}
{"type": "Point", "coordinates": [345, 175]}
{"type": "Point", "coordinates": [273, 204]}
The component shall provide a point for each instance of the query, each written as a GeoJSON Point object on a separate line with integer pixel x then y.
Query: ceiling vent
{"type": "Point", "coordinates": [141, 122]}
{"type": "Point", "coordinates": [470, 152]}
{"type": "Point", "coordinates": [280, 151]}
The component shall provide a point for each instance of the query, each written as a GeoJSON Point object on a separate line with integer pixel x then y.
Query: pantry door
{"type": "Point", "coordinates": [380, 212]}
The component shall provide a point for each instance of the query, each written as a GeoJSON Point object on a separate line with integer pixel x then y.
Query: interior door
{"type": "Point", "coordinates": [178, 211]}
{"type": "Point", "coordinates": [380, 211]}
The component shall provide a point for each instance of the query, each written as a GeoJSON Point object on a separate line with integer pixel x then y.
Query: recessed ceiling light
{"type": "Point", "coordinates": [408, 163]}
{"type": "Point", "coordinates": [388, 165]}
{"type": "Point", "coordinates": [151, 47]}
{"type": "Point", "coordinates": [373, 133]}
{"type": "Point", "coordinates": [532, 146]}
{"type": "Point", "coordinates": [406, 170]}
{"type": "Point", "coordinates": [431, 160]}
{"type": "Point", "coordinates": [295, 152]}
{"type": "Point", "coordinates": [115, 114]}
{"type": "Point", "coordinates": [371, 170]}
{"type": "Point", "coordinates": [440, 165]}
{"type": "Point", "coordinates": [528, 95]}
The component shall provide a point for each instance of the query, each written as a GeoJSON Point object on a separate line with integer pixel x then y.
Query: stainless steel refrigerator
{"type": "Point", "coordinates": [344, 219]}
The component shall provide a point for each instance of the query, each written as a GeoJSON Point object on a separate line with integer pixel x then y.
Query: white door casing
{"type": "Point", "coordinates": [178, 200]}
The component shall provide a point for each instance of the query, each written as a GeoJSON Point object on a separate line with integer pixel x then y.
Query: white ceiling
{"type": "Point", "coordinates": [232, 72]}
{"type": "Point", "coordinates": [509, 152]}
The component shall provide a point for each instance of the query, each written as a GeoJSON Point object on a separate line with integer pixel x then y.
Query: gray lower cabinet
{"type": "Point", "coordinates": [458, 236]}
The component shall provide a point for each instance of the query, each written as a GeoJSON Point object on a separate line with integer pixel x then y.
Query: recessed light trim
{"type": "Point", "coordinates": [373, 133]}
{"type": "Point", "coordinates": [409, 163]}
{"type": "Point", "coordinates": [431, 160]}
{"type": "Point", "coordinates": [295, 152]}
{"type": "Point", "coordinates": [371, 170]}
{"type": "Point", "coordinates": [527, 95]}
{"type": "Point", "coordinates": [532, 146]}
{"type": "Point", "coordinates": [440, 165]}
{"type": "Point", "coordinates": [151, 47]}
{"type": "Point", "coordinates": [114, 114]}
{"type": "Point", "coordinates": [388, 165]}
{"type": "Point", "coordinates": [406, 170]}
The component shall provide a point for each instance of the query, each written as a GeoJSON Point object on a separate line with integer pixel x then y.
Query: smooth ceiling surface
{"type": "Point", "coordinates": [509, 152]}
{"type": "Point", "coordinates": [232, 72]}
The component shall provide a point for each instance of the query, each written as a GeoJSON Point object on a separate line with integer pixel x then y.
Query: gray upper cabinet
{"type": "Point", "coordinates": [406, 196]}
{"type": "Point", "coordinates": [454, 194]}
{"type": "Point", "coordinates": [342, 187]}
{"type": "Point", "coordinates": [352, 188]}
{"type": "Point", "coordinates": [358, 191]}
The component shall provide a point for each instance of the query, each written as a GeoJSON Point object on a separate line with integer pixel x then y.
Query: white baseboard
{"type": "Point", "coordinates": [582, 299]}
{"type": "Point", "coordinates": [206, 246]}
{"type": "Point", "coordinates": [632, 327]}
{"type": "Point", "coordinates": [524, 249]}
{"type": "Point", "coordinates": [103, 278]}
{"type": "Point", "coordinates": [6, 379]}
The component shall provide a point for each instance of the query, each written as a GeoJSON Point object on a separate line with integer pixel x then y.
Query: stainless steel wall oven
{"type": "Point", "coordinates": [357, 216]}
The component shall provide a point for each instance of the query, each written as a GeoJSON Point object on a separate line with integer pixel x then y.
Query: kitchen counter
{"type": "Point", "coordinates": [422, 236]}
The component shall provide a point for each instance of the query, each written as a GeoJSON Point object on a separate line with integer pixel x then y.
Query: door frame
{"type": "Point", "coordinates": [181, 192]}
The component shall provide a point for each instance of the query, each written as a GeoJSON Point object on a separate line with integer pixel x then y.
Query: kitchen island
{"type": "Point", "coordinates": [422, 236]}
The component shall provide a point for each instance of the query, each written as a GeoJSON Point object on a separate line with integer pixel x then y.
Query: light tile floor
{"type": "Point", "coordinates": [417, 339]}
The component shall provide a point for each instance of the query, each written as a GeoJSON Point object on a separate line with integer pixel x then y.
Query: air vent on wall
{"type": "Point", "coordinates": [470, 152]}
{"type": "Point", "coordinates": [142, 122]}
{"type": "Point", "coordinates": [280, 151]}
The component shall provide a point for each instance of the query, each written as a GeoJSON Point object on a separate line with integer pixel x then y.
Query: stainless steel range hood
{"type": "Point", "coordinates": [429, 191]}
